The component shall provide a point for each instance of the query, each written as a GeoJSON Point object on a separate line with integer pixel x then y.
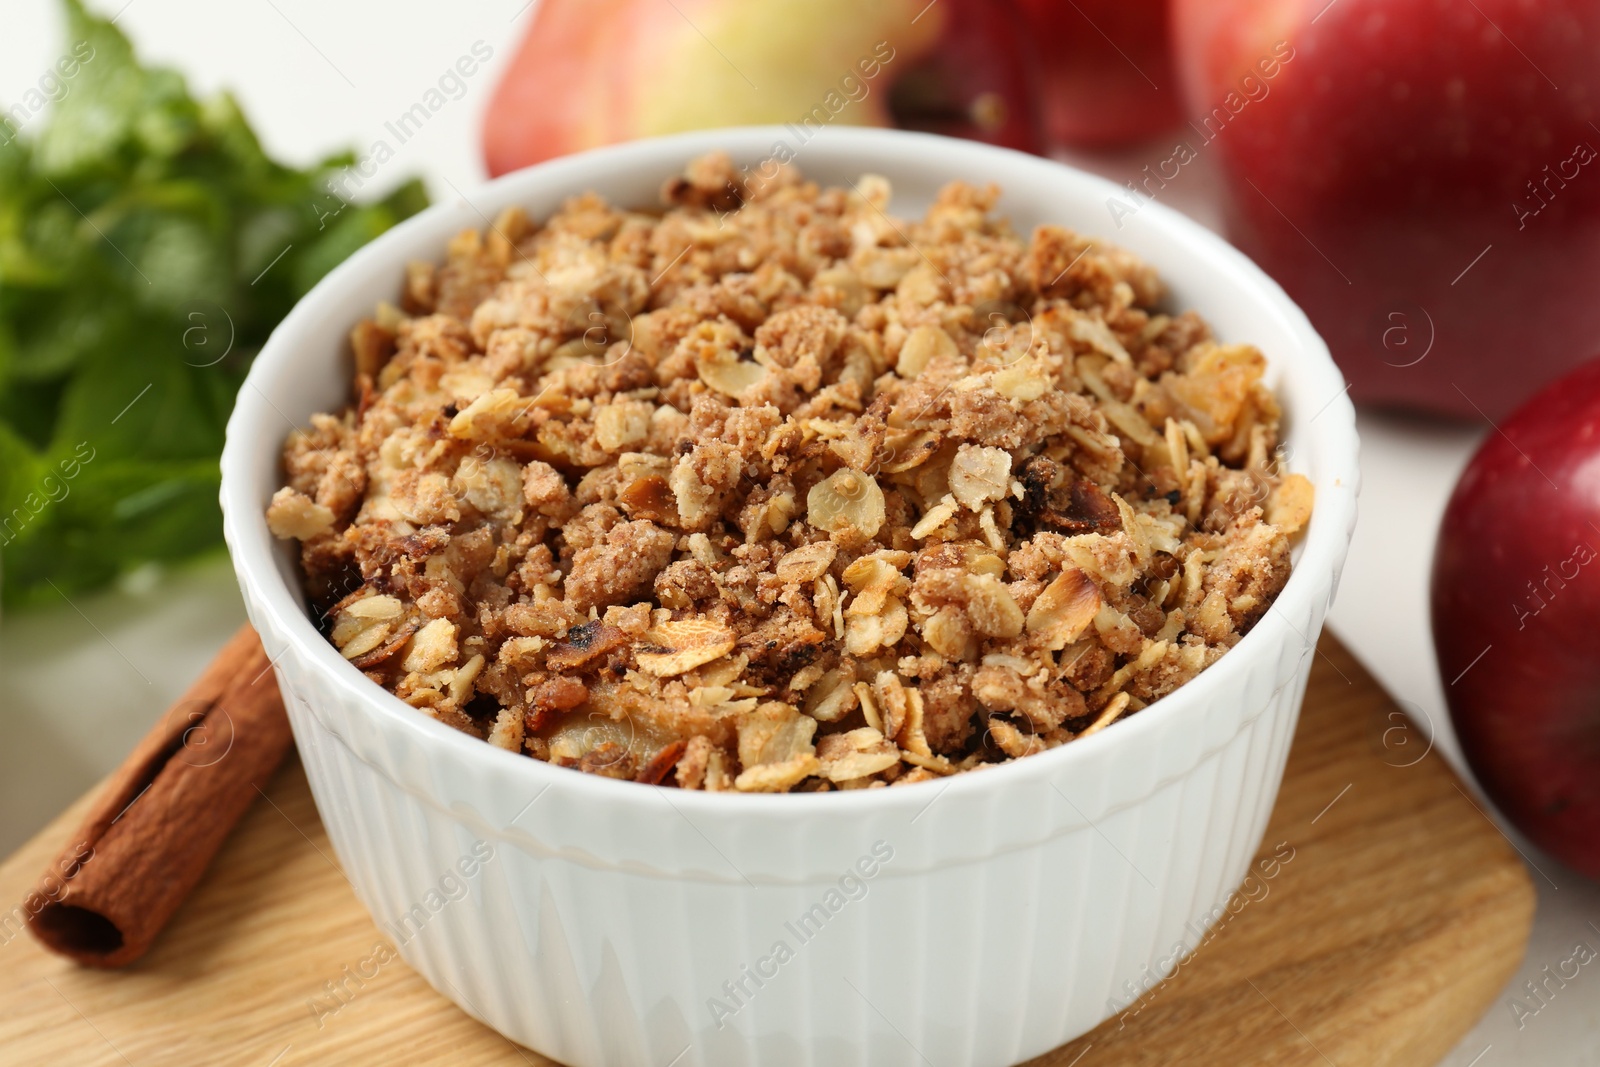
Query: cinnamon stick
{"type": "Point", "coordinates": [165, 812]}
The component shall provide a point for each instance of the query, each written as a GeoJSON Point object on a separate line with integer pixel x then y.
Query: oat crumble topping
{"type": "Point", "coordinates": [770, 491]}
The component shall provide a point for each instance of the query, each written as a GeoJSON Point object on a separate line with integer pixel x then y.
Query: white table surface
{"type": "Point", "coordinates": [83, 681]}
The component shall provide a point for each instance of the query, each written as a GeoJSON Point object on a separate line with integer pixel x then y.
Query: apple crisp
{"type": "Point", "coordinates": [768, 490]}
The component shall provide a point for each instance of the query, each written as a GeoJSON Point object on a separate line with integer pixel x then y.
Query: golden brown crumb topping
{"type": "Point", "coordinates": [773, 491]}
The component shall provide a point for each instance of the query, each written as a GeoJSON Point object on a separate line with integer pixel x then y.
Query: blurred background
{"type": "Point", "coordinates": [1442, 231]}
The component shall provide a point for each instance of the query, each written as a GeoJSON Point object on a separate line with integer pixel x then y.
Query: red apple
{"type": "Point", "coordinates": [978, 81]}
{"type": "Point", "coordinates": [1105, 69]}
{"type": "Point", "coordinates": [1516, 611]}
{"type": "Point", "coordinates": [592, 72]}
{"type": "Point", "coordinates": [1420, 175]}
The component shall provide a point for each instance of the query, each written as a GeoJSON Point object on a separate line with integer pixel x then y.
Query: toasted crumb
{"type": "Point", "coordinates": [295, 515]}
{"type": "Point", "coordinates": [763, 492]}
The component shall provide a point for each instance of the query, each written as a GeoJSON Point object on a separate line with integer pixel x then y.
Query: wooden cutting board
{"type": "Point", "coordinates": [1400, 917]}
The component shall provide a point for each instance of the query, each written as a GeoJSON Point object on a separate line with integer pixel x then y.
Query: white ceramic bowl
{"type": "Point", "coordinates": [603, 922]}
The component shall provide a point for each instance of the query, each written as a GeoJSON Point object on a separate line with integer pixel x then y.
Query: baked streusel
{"type": "Point", "coordinates": [772, 491]}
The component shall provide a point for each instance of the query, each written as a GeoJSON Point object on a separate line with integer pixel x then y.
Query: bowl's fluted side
{"type": "Point", "coordinates": [594, 961]}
